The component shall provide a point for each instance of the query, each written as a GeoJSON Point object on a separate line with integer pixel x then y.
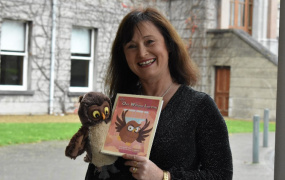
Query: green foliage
{"type": "Point", "coordinates": [18, 133]}
{"type": "Point", "coordinates": [242, 126]}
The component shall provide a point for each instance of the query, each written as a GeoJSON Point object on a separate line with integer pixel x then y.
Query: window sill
{"type": "Point", "coordinates": [75, 94]}
{"type": "Point", "coordinates": [17, 93]}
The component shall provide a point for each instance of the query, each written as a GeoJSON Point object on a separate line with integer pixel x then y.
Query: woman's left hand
{"type": "Point", "coordinates": [142, 168]}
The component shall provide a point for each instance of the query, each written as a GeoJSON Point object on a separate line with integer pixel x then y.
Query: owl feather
{"type": "Point", "coordinates": [121, 122]}
{"type": "Point", "coordinates": [144, 133]}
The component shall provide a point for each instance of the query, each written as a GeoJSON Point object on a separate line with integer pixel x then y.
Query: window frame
{"type": "Point", "coordinates": [247, 15]}
{"type": "Point", "coordinates": [25, 56]}
{"type": "Point", "coordinates": [91, 64]}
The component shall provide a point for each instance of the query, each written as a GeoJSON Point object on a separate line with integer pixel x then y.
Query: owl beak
{"type": "Point", "coordinates": [104, 118]}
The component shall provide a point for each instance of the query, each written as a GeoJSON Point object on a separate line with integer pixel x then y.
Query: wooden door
{"type": "Point", "coordinates": [222, 89]}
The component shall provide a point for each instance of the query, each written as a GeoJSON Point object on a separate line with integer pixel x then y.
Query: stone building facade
{"type": "Point", "coordinates": [253, 72]}
{"type": "Point", "coordinates": [40, 60]}
{"type": "Point", "coordinates": [66, 46]}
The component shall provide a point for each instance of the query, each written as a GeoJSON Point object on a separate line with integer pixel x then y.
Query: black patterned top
{"type": "Point", "coordinates": [191, 140]}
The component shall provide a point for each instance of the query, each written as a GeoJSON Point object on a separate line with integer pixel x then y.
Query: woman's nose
{"type": "Point", "coordinates": [142, 51]}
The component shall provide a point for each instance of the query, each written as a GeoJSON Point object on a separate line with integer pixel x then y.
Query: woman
{"type": "Point", "coordinates": [191, 141]}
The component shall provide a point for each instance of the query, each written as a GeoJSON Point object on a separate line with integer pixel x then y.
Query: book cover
{"type": "Point", "coordinates": [133, 125]}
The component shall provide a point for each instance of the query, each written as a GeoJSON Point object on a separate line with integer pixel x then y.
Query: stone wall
{"type": "Point", "coordinates": [104, 16]}
{"type": "Point", "coordinates": [253, 72]}
{"type": "Point", "coordinates": [35, 99]}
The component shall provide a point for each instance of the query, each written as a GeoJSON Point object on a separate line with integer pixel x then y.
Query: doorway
{"type": "Point", "coordinates": [222, 89]}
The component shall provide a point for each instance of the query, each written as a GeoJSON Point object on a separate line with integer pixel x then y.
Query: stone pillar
{"type": "Point", "coordinates": [279, 166]}
{"type": "Point", "coordinates": [264, 23]}
{"type": "Point", "coordinates": [225, 14]}
{"type": "Point", "coordinates": [259, 20]}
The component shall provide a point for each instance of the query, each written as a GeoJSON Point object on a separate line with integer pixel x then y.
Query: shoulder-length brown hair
{"type": "Point", "coordinates": [120, 79]}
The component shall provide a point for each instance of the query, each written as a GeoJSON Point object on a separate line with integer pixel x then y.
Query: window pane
{"type": "Point", "coordinates": [232, 16]}
{"type": "Point", "coordinates": [250, 16]}
{"type": "Point", "coordinates": [79, 73]}
{"type": "Point", "coordinates": [241, 15]}
{"type": "Point", "coordinates": [11, 70]}
{"type": "Point", "coordinates": [13, 36]}
{"type": "Point", "coordinates": [80, 41]}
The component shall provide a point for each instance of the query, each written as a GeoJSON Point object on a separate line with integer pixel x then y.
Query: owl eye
{"type": "Point", "coordinates": [106, 111]}
{"type": "Point", "coordinates": [137, 129]}
{"type": "Point", "coordinates": [96, 114]}
{"type": "Point", "coordinates": [130, 128]}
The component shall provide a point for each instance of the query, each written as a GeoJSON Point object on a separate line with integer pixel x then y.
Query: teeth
{"type": "Point", "coordinates": [145, 63]}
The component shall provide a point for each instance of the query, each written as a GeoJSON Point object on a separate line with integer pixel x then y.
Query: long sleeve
{"type": "Point", "coordinates": [213, 149]}
{"type": "Point", "coordinates": [192, 139]}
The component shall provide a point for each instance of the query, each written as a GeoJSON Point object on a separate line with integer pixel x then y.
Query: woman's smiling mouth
{"type": "Point", "coordinates": [146, 63]}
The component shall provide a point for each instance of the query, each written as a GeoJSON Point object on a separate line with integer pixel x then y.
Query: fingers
{"type": "Point", "coordinates": [134, 161]}
{"type": "Point", "coordinates": [138, 166]}
{"type": "Point", "coordinates": [133, 157]}
{"type": "Point", "coordinates": [142, 168]}
{"type": "Point", "coordinates": [133, 170]}
{"type": "Point", "coordinates": [133, 164]}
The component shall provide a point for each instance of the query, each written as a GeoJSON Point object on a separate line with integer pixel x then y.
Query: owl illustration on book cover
{"type": "Point", "coordinates": [133, 126]}
{"type": "Point", "coordinates": [129, 126]}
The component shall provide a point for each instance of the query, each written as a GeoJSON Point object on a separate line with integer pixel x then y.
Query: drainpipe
{"type": "Point", "coordinates": [169, 10]}
{"type": "Point", "coordinates": [53, 36]}
{"type": "Point", "coordinates": [279, 166]}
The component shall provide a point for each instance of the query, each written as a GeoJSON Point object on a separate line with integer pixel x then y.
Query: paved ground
{"type": "Point", "coordinates": [244, 169]}
{"type": "Point", "coordinates": [41, 161]}
{"type": "Point", "coordinates": [46, 161]}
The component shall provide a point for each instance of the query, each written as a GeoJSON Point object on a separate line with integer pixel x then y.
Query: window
{"type": "Point", "coordinates": [241, 14]}
{"type": "Point", "coordinates": [14, 55]}
{"type": "Point", "coordinates": [82, 55]}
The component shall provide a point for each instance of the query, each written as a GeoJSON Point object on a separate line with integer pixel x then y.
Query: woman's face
{"type": "Point", "coordinates": [146, 53]}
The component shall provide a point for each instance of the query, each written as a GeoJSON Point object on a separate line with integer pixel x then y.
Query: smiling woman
{"type": "Point", "coordinates": [146, 25]}
{"type": "Point", "coordinates": [149, 58]}
{"type": "Point", "coordinates": [147, 54]}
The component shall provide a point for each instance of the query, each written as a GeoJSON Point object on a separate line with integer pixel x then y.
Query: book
{"type": "Point", "coordinates": [133, 125]}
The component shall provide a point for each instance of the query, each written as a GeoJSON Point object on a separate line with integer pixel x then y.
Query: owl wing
{"type": "Point", "coordinates": [121, 122]}
{"type": "Point", "coordinates": [77, 144]}
{"type": "Point", "coordinates": [143, 133]}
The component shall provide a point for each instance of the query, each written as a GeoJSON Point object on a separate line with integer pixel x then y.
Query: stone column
{"type": "Point", "coordinates": [279, 166]}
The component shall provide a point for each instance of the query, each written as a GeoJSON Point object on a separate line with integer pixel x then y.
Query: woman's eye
{"type": "Point", "coordinates": [131, 46]}
{"type": "Point", "coordinates": [150, 41]}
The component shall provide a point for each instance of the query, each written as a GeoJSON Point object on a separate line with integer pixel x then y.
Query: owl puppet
{"type": "Point", "coordinates": [95, 116]}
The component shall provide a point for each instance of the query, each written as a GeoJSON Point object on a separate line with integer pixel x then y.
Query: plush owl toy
{"type": "Point", "coordinates": [95, 115]}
